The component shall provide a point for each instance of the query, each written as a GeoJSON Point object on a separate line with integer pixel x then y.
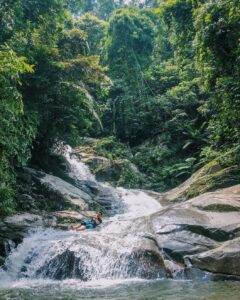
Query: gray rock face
{"type": "Point", "coordinates": [202, 232]}
{"type": "Point", "coordinates": [211, 177]}
{"type": "Point", "coordinates": [184, 240]}
{"type": "Point", "coordinates": [14, 228]}
{"type": "Point", "coordinates": [104, 196]}
{"type": "Point", "coordinates": [68, 187]}
{"type": "Point", "coordinates": [66, 265]}
{"type": "Point", "coordinates": [95, 255]}
{"type": "Point", "coordinates": [70, 194]}
{"type": "Point", "coordinates": [141, 263]}
{"type": "Point", "coordinates": [107, 170]}
{"type": "Point", "coordinates": [50, 192]}
{"type": "Point", "coordinates": [24, 220]}
{"type": "Point", "coordinates": [107, 252]}
{"type": "Point", "coordinates": [225, 259]}
{"type": "Point", "coordinates": [41, 191]}
{"type": "Point", "coordinates": [104, 169]}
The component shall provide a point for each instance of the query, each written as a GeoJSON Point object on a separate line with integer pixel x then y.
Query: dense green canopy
{"type": "Point", "coordinates": [161, 76]}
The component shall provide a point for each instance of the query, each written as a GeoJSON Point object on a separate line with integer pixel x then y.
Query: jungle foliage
{"type": "Point", "coordinates": [161, 76]}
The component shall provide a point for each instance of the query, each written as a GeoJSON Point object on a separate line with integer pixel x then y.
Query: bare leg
{"type": "Point", "coordinates": [82, 227]}
{"type": "Point", "coordinates": [75, 227]}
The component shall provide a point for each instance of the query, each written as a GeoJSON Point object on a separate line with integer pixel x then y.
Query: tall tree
{"type": "Point", "coordinates": [129, 46]}
{"type": "Point", "coordinates": [95, 30]}
{"type": "Point", "coordinates": [217, 40]}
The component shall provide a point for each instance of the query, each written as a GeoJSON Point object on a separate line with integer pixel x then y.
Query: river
{"type": "Point", "coordinates": [120, 290]}
{"type": "Point", "coordinates": [98, 264]}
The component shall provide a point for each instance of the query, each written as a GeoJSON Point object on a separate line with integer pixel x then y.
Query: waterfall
{"type": "Point", "coordinates": [117, 249]}
{"type": "Point", "coordinates": [78, 170]}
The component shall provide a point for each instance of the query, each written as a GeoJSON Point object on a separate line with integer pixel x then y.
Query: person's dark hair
{"type": "Point", "coordinates": [98, 217]}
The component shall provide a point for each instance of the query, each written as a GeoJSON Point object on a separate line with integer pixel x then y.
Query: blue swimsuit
{"type": "Point", "coordinates": [90, 224]}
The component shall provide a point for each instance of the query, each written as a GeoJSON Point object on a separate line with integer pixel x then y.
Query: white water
{"type": "Point", "coordinates": [78, 169]}
{"type": "Point", "coordinates": [101, 256]}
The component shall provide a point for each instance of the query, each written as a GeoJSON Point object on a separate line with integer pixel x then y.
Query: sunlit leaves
{"type": "Point", "coordinates": [16, 132]}
{"type": "Point", "coordinates": [217, 41]}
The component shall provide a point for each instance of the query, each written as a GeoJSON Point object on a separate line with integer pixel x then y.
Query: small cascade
{"type": "Point", "coordinates": [82, 178]}
{"type": "Point", "coordinates": [78, 170]}
{"type": "Point", "coordinates": [117, 249]}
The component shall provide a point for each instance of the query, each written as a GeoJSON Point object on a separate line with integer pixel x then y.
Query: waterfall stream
{"type": "Point", "coordinates": [116, 261]}
{"type": "Point", "coordinates": [116, 250]}
{"type": "Point", "coordinates": [78, 170]}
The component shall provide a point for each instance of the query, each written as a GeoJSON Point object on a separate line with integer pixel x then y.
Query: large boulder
{"type": "Point", "coordinates": [70, 194]}
{"type": "Point", "coordinates": [211, 177]}
{"type": "Point", "coordinates": [10, 237]}
{"type": "Point", "coordinates": [41, 191]}
{"type": "Point", "coordinates": [199, 226]}
{"type": "Point", "coordinates": [110, 252]}
{"type": "Point", "coordinates": [117, 171]}
{"type": "Point", "coordinates": [23, 220]}
{"type": "Point", "coordinates": [80, 261]}
{"type": "Point", "coordinates": [225, 259]}
{"type": "Point", "coordinates": [103, 168]}
{"type": "Point", "coordinates": [14, 228]}
{"type": "Point", "coordinates": [74, 189]}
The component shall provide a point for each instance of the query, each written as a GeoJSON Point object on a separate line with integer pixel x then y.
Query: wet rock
{"type": "Point", "coordinates": [145, 264]}
{"type": "Point", "coordinates": [57, 165]}
{"type": "Point", "coordinates": [10, 236]}
{"type": "Point", "coordinates": [145, 259]}
{"type": "Point", "coordinates": [174, 269]}
{"type": "Point", "coordinates": [14, 228]}
{"type": "Point", "coordinates": [210, 177]}
{"type": "Point", "coordinates": [112, 171]}
{"type": "Point", "coordinates": [80, 257]}
{"type": "Point", "coordinates": [68, 217]}
{"type": "Point", "coordinates": [176, 246]}
{"type": "Point", "coordinates": [24, 220]}
{"type": "Point", "coordinates": [71, 215]}
{"type": "Point", "coordinates": [6, 247]}
{"type": "Point", "coordinates": [47, 192]}
{"type": "Point", "coordinates": [42, 191]}
{"type": "Point", "coordinates": [70, 194]}
{"type": "Point", "coordinates": [181, 272]}
{"type": "Point", "coordinates": [195, 274]}
{"type": "Point", "coordinates": [106, 199]}
{"type": "Point", "coordinates": [225, 259]}
{"type": "Point", "coordinates": [200, 226]}
{"type": "Point", "coordinates": [69, 264]}
{"type": "Point", "coordinates": [65, 265]}
{"type": "Point", "coordinates": [119, 172]}
{"type": "Point", "coordinates": [105, 170]}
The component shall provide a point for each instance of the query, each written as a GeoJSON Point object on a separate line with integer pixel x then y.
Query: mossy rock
{"type": "Point", "coordinates": [111, 148]}
{"type": "Point", "coordinates": [10, 236]}
{"type": "Point", "coordinates": [220, 208]}
{"type": "Point", "coordinates": [214, 179]}
{"type": "Point", "coordinates": [120, 173]}
{"type": "Point", "coordinates": [211, 177]}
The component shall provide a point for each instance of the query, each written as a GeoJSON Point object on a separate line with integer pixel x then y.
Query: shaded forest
{"type": "Point", "coordinates": [158, 78]}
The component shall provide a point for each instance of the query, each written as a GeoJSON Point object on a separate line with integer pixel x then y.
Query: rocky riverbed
{"type": "Point", "coordinates": [199, 237]}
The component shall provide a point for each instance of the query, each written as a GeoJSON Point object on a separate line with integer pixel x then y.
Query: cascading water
{"type": "Point", "coordinates": [78, 170]}
{"type": "Point", "coordinates": [111, 262]}
{"type": "Point", "coordinates": [117, 249]}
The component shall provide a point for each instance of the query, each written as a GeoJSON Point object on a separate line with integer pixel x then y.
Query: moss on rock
{"type": "Point", "coordinates": [109, 160]}
{"type": "Point", "coordinates": [221, 172]}
{"type": "Point", "coordinates": [214, 179]}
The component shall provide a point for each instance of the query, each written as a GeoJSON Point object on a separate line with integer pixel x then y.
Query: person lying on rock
{"type": "Point", "coordinates": [88, 224]}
